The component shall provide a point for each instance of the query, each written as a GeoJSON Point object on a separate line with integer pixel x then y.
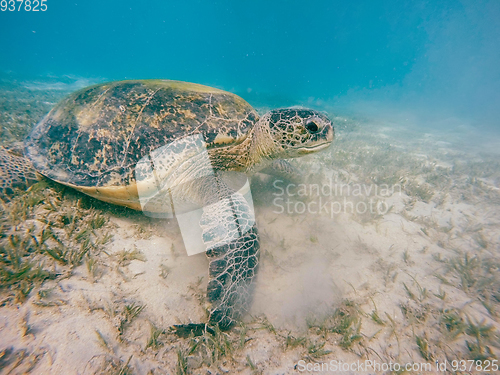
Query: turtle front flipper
{"type": "Point", "coordinates": [230, 234]}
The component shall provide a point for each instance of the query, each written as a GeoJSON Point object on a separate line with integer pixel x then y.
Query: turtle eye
{"type": "Point", "coordinates": [312, 126]}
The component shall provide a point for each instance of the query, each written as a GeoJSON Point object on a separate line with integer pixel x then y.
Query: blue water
{"type": "Point", "coordinates": [439, 57]}
{"type": "Point", "coordinates": [413, 90]}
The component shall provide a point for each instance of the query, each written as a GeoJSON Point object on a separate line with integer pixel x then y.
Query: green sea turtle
{"type": "Point", "coordinates": [104, 141]}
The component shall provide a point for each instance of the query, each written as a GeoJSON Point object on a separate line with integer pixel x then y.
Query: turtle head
{"type": "Point", "coordinates": [296, 132]}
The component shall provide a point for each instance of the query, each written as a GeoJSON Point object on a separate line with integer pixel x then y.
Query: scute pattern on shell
{"type": "Point", "coordinates": [97, 135]}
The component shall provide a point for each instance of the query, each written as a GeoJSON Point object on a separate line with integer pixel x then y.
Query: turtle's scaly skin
{"type": "Point", "coordinates": [233, 250]}
{"type": "Point", "coordinates": [16, 172]}
{"type": "Point", "coordinates": [232, 271]}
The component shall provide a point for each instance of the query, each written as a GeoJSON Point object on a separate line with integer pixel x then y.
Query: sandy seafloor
{"type": "Point", "coordinates": [418, 282]}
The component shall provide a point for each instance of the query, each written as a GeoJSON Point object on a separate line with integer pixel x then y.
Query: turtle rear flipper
{"type": "Point", "coordinates": [16, 172]}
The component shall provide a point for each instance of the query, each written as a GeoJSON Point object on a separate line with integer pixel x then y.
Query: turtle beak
{"type": "Point", "coordinates": [310, 150]}
{"type": "Point", "coordinates": [328, 133]}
